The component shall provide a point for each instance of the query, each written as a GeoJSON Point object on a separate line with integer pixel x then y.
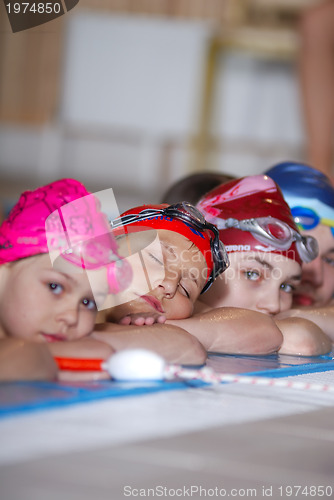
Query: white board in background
{"type": "Point", "coordinates": [133, 74]}
{"type": "Point", "coordinates": [257, 100]}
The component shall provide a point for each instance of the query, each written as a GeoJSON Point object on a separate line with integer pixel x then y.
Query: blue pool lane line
{"type": "Point", "coordinates": [20, 397]}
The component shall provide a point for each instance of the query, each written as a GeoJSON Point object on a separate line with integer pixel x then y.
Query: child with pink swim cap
{"type": "Point", "coordinates": [266, 252]}
{"type": "Point", "coordinates": [56, 249]}
{"type": "Point", "coordinates": [57, 258]}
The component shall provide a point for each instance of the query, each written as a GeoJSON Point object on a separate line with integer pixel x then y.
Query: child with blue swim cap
{"type": "Point", "coordinates": [310, 195]}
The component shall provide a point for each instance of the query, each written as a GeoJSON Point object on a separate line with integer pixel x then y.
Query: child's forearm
{"type": "Point", "coordinates": [303, 338]}
{"type": "Point", "coordinates": [232, 330]}
{"type": "Point", "coordinates": [21, 360]}
{"type": "Point", "coordinates": [174, 344]}
{"type": "Point", "coordinates": [323, 317]}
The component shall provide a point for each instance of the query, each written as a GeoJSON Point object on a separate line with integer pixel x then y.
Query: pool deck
{"type": "Point", "coordinates": [235, 441]}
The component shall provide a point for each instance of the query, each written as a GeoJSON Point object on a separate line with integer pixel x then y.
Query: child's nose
{"type": "Point", "coordinates": [169, 286]}
{"type": "Point", "coordinates": [313, 272]}
{"type": "Point", "coordinates": [269, 303]}
{"type": "Point", "coordinates": [68, 316]}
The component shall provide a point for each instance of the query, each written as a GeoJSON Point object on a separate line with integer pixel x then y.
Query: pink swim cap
{"type": "Point", "coordinates": [62, 217]}
{"type": "Point", "coordinates": [252, 215]}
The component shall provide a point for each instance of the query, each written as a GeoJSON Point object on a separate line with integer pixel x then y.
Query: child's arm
{"type": "Point", "coordinates": [86, 347]}
{"type": "Point", "coordinates": [174, 344]}
{"type": "Point", "coordinates": [302, 337]}
{"type": "Point", "coordinates": [321, 316]}
{"type": "Point", "coordinates": [231, 330]}
{"type": "Point", "coordinates": [21, 360]}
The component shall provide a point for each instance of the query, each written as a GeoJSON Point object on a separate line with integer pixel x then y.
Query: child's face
{"type": "Point", "coordinates": [168, 276]}
{"type": "Point", "coordinates": [317, 285]}
{"type": "Point", "coordinates": [259, 281]}
{"type": "Point", "coordinates": [42, 304]}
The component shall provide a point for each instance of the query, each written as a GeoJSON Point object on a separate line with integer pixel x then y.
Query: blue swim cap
{"type": "Point", "coordinates": [307, 191]}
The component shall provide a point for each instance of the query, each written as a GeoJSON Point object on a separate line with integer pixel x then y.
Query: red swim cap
{"type": "Point", "coordinates": [200, 238]}
{"type": "Point", "coordinates": [258, 198]}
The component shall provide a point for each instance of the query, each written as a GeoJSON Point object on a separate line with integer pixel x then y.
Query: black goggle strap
{"type": "Point", "coordinates": [188, 210]}
{"type": "Point", "coordinates": [219, 255]}
{"type": "Point", "coordinates": [131, 218]}
{"type": "Point", "coordinates": [176, 213]}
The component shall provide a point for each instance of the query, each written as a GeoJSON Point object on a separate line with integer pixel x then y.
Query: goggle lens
{"type": "Point", "coordinates": [278, 231]}
{"type": "Point", "coordinates": [305, 218]}
{"type": "Point", "coordinates": [188, 210]}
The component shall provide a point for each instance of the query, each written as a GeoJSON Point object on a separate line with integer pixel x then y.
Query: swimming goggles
{"type": "Point", "coordinates": [307, 219]}
{"type": "Point", "coordinates": [269, 230]}
{"type": "Point", "coordinates": [191, 216]}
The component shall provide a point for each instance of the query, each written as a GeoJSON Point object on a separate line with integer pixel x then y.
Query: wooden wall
{"type": "Point", "coordinates": [216, 10]}
{"type": "Point", "coordinates": [29, 71]}
{"type": "Point", "coordinates": [31, 60]}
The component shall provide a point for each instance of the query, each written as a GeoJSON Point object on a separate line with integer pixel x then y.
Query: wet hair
{"type": "Point", "coordinates": [192, 187]}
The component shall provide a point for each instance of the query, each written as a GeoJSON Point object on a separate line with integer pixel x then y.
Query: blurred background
{"type": "Point", "coordinates": [135, 94]}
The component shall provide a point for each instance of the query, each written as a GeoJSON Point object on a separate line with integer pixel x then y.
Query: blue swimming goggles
{"type": "Point", "coordinates": [189, 214]}
{"type": "Point", "coordinates": [307, 219]}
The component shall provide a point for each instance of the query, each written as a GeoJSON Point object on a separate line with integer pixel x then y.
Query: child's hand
{"type": "Point", "coordinates": [140, 319]}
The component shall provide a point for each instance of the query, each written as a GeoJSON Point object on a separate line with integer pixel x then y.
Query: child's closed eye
{"type": "Point", "coordinates": [155, 258]}
{"type": "Point", "coordinates": [184, 290]}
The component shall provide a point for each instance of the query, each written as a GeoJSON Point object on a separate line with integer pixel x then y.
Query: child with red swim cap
{"type": "Point", "coordinates": [175, 255]}
{"type": "Point", "coordinates": [171, 269]}
{"type": "Point", "coordinates": [57, 258]}
{"type": "Point", "coordinates": [266, 251]}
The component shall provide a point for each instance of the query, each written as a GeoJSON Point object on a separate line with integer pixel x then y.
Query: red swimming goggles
{"type": "Point", "coordinates": [272, 231]}
{"type": "Point", "coordinates": [193, 218]}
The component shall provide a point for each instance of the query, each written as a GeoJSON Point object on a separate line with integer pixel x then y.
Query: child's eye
{"type": "Point", "coordinates": [56, 288]}
{"type": "Point", "coordinates": [89, 304]}
{"type": "Point", "coordinates": [252, 275]}
{"type": "Point", "coordinates": [286, 287]}
{"type": "Point", "coordinates": [329, 260]}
